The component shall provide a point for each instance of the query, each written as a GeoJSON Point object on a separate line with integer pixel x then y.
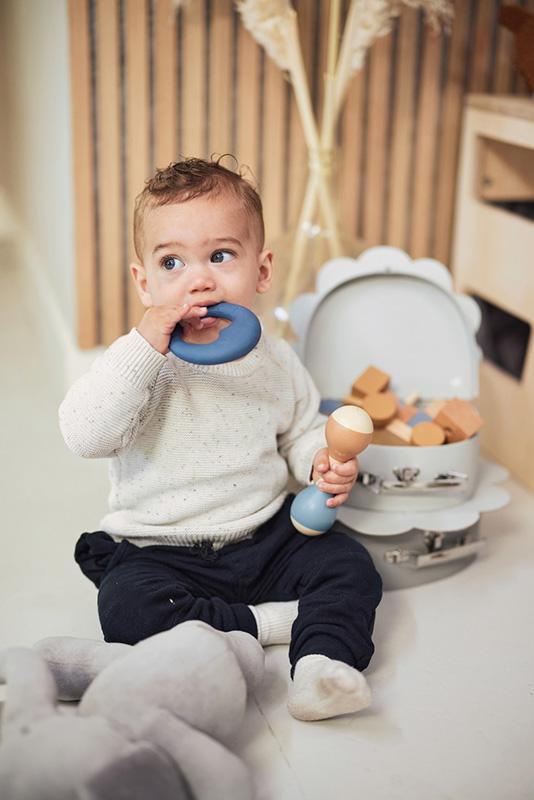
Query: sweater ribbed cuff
{"type": "Point", "coordinates": [135, 359]}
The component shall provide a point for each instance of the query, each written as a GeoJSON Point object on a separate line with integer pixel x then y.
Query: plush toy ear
{"type": "Point", "coordinates": [75, 663]}
{"type": "Point", "coordinates": [31, 692]}
{"type": "Point", "coordinates": [142, 772]}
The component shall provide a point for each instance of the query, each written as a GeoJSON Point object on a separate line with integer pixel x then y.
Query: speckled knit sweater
{"type": "Point", "coordinates": [197, 453]}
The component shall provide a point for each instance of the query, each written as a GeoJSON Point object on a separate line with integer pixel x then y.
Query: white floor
{"type": "Point", "coordinates": [453, 675]}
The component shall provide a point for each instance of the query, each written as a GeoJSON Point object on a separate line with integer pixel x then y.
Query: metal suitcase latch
{"type": "Point", "coordinates": [436, 553]}
{"type": "Point", "coordinates": [406, 482]}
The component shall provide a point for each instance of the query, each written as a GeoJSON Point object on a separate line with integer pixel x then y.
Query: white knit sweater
{"type": "Point", "coordinates": [198, 453]}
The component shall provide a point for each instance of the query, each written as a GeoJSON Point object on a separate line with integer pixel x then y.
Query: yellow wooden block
{"type": "Point", "coordinates": [401, 430]}
{"type": "Point", "coordinates": [412, 398]}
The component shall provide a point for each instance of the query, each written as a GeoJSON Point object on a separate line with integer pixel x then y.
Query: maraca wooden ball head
{"type": "Point", "coordinates": [348, 432]}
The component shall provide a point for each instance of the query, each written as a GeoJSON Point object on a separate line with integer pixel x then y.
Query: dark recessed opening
{"type": "Point", "coordinates": [502, 338]}
{"type": "Point", "coordinates": [505, 176]}
{"type": "Point", "coordinates": [521, 208]}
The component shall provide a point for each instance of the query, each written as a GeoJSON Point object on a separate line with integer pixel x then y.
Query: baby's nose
{"type": "Point", "coordinates": [202, 280]}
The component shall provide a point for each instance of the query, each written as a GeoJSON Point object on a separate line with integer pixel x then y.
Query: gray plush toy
{"type": "Point", "coordinates": [154, 720]}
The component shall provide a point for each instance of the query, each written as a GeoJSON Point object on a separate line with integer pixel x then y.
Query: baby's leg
{"type": "Point", "coordinates": [323, 688]}
{"type": "Point", "coordinates": [153, 589]}
{"type": "Point", "coordinates": [331, 638]}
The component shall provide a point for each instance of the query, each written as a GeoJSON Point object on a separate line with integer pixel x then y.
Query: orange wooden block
{"type": "Point", "coordinates": [459, 419]}
{"type": "Point", "coordinates": [371, 381]}
{"type": "Point", "coordinates": [427, 434]}
{"type": "Point", "coordinates": [381, 407]}
{"type": "Point", "coordinates": [350, 400]}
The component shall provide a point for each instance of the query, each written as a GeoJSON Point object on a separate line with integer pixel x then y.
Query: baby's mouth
{"type": "Point", "coordinates": [202, 322]}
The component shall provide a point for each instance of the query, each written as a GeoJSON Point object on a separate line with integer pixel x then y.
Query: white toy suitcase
{"type": "Point", "coordinates": [416, 509]}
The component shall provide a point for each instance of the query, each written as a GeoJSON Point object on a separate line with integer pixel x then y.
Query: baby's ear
{"type": "Point", "coordinates": [265, 272]}
{"type": "Point", "coordinates": [139, 275]}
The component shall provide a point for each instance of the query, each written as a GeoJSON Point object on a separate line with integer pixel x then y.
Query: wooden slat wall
{"type": "Point", "coordinates": [152, 83]}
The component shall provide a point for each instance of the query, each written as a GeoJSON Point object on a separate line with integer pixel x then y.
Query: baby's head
{"type": "Point", "coordinates": [199, 237]}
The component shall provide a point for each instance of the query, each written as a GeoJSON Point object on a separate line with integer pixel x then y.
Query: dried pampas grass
{"type": "Point", "coordinates": [369, 20]}
{"type": "Point", "coordinates": [267, 21]}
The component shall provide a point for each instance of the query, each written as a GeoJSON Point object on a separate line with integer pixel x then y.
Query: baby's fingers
{"type": "Point", "coordinates": [334, 488]}
{"type": "Point", "coordinates": [348, 469]}
{"type": "Point", "coordinates": [188, 311]}
{"type": "Point", "coordinates": [336, 501]}
{"type": "Point", "coordinates": [333, 477]}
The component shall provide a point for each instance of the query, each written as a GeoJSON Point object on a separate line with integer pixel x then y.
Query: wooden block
{"type": "Point", "coordinates": [401, 430]}
{"type": "Point", "coordinates": [421, 416]}
{"type": "Point", "coordinates": [350, 400]}
{"type": "Point", "coordinates": [412, 399]}
{"type": "Point", "coordinates": [406, 412]}
{"type": "Point", "coordinates": [433, 409]}
{"type": "Point", "coordinates": [328, 405]}
{"type": "Point", "coordinates": [383, 436]}
{"type": "Point", "coordinates": [371, 381]}
{"type": "Point", "coordinates": [459, 419]}
{"type": "Point", "coordinates": [427, 434]}
{"type": "Point", "coordinates": [381, 407]}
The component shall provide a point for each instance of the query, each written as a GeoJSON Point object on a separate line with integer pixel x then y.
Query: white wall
{"type": "Point", "coordinates": [36, 163]}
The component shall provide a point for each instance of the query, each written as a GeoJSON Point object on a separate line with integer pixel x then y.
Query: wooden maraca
{"type": "Point", "coordinates": [348, 432]}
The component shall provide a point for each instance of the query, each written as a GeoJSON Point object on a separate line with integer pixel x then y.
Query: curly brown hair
{"type": "Point", "coordinates": [192, 177]}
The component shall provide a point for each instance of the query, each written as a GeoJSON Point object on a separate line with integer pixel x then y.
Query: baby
{"type": "Point", "coordinates": [198, 524]}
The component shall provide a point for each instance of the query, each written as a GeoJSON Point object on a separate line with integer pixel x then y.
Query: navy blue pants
{"type": "Point", "coordinates": [145, 590]}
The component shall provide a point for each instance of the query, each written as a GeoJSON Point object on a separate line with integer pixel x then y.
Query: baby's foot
{"type": "Point", "coordinates": [323, 688]}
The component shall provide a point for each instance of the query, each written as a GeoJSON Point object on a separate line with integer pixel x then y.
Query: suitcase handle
{"type": "Point", "coordinates": [406, 482]}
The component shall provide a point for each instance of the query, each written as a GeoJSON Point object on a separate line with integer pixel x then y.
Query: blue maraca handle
{"type": "Point", "coordinates": [234, 341]}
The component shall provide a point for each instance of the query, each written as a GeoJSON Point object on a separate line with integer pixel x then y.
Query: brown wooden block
{"type": "Point", "coordinates": [399, 429]}
{"type": "Point", "coordinates": [433, 409]}
{"type": "Point", "coordinates": [459, 419]}
{"type": "Point", "coordinates": [406, 412]}
{"type": "Point", "coordinates": [381, 407]}
{"type": "Point", "coordinates": [383, 436]}
{"type": "Point", "coordinates": [371, 381]}
{"type": "Point", "coordinates": [427, 434]}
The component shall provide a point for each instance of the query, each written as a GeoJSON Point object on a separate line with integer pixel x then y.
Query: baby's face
{"type": "Point", "coordinates": [201, 251]}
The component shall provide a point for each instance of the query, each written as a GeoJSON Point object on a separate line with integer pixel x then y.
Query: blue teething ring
{"type": "Point", "coordinates": [235, 341]}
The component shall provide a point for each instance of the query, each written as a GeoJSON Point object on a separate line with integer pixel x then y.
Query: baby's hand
{"type": "Point", "coordinates": [159, 322]}
{"type": "Point", "coordinates": [338, 481]}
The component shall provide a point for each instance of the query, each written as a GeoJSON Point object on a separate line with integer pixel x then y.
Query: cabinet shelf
{"type": "Point", "coordinates": [493, 257]}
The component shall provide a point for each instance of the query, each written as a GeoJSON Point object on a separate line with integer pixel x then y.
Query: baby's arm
{"type": "Point", "coordinates": [305, 434]}
{"type": "Point", "coordinates": [101, 411]}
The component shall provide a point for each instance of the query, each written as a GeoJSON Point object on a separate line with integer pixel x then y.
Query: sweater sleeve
{"type": "Point", "coordinates": [101, 411]}
{"type": "Point", "coordinates": [305, 435]}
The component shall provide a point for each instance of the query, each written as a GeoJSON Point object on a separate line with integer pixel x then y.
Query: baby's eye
{"type": "Point", "coordinates": [220, 256]}
{"type": "Point", "coordinates": [171, 263]}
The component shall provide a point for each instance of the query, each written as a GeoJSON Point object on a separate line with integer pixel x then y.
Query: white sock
{"type": "Point", "coordinates": [323, 688]}
{"type": "Point", "coordinates": [274, 621]}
